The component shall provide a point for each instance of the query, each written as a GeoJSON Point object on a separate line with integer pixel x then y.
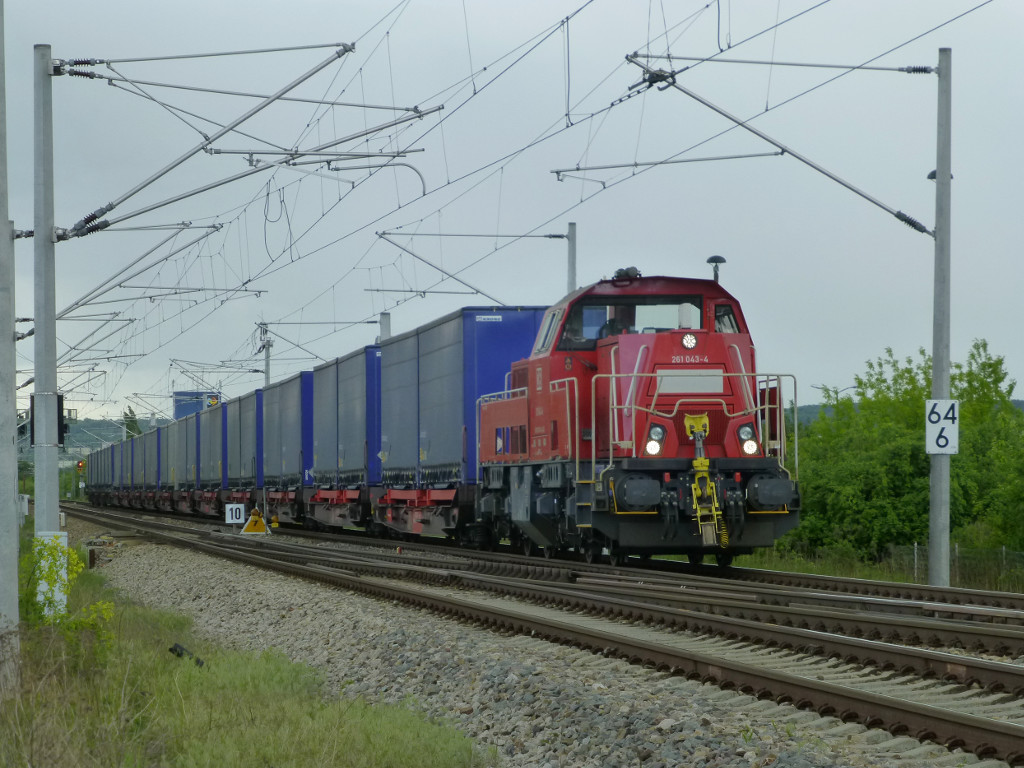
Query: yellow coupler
{"type": "Point", "coordinates": [255, 523]}
{"type": "Point", "coordinates": [710, 520]}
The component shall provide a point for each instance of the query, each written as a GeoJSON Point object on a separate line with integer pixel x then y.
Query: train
{"type": "Point", "coordinates": [628, 419]}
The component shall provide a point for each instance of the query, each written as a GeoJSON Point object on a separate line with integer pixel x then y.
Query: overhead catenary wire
{"type": "Point", "coordinates": [442, 270]}
{"type": "Point", "coordinates": [248, 94]}
{"type": "Point", "coordinates": [654, 77]}
{"type": "Point", "coordinates": [80, 226]}
{"type": "Point", "coordinates": [453, 270]}
{"type": "Point", "coordinates": [182, 56]}
{"type": "Point", "coordinates": [440, 122]}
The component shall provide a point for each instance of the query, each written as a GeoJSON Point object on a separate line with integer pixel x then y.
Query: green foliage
{"type": "Point", "coordinates": [131, 423]}
{"type": "Point", "coordinates": [46, 573]}
{"type": "Point", "coordinates": [47, 570]}
{"type": "Point", "coordinates": [865, 474]}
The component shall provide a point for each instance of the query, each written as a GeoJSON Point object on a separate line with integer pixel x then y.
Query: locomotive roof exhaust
{"type": "Point", "coordinates": [715, 261]}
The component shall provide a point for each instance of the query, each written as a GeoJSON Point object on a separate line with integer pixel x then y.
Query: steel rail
{"type": "Point", "coordinates": [921, 592]}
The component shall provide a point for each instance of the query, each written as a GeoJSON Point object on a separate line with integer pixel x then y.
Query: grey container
{"type": "Point", "coordinates": [325, 423]}
{"type": "Point", "coordinates": [164, 478]}
{"type": "Point", "coordinates": [288, 431]}
{"type": "Point", "coordinates": [133, 462]}
{"type": "Point", "coordinates": [211, 447]}
{"type": "Point", "coordinates": [177, 458]}
{"type": "Point", "coordinates": [359, 445]}
{"type": "Point", "coordinates": [150, 441]}
{"type": "Point", "coordinates": [117, 458]}
{"type": "Point", "coordinates": [241, 439]}
{"type": "Point", "coordinates": [191, 477]}
{"type": "Point", "coordinates": [399, 394]}
{"type": "Point", "coordinates": [101, 472]}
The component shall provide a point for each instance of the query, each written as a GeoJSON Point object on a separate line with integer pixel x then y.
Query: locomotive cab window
{"type": "Point", "coordinates": [547, 330]}
{"type": "Point", "coordinates": [725, 320]}
{"type": "Point", "coordinates": [591, 320]}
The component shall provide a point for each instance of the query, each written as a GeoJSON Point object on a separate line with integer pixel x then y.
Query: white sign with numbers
{"type": "Point", "coordinates": [942, 426]}
{"type": "Point", "coordinates": [234, 513]}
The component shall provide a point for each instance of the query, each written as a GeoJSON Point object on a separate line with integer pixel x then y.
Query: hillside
{"type": "Point", "coordinates": [85, 436]}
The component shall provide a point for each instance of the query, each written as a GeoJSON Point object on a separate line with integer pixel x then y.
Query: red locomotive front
{"type": "Point", "coordinates": [639, 425]}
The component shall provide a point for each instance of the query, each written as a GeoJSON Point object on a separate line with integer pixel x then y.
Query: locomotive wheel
{"type": "Point", "coordinates": [724, 559]}
{"type": "Point", "coordinates": [549, 552]}
{"type": "Point", "coordinates": [616, 557]}
{"type": "Point", "coordinates": [528, 546]}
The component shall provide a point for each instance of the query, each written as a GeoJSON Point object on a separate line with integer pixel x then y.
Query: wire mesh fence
{"type": "Point", "coordinates": [971, 568]}
{"type": "Point", "coordinates": [997, 569]}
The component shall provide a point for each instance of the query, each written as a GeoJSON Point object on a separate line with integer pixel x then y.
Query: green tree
{"type": "Point", "coordinates": [131, 423]}
{"type": "Point", "coordinates": [865, 474]}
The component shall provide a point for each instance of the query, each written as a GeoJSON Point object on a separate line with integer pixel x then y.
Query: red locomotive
{"type": "Point", "coordinates": [639, 425]}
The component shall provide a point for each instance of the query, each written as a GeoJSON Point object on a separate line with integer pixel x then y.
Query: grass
{"type": "Point", "coordinates": [119, 698]}
{"type": "Point", "coordinates": [825, 563]}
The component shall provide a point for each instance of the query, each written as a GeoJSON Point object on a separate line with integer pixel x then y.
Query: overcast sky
{"type": "Point", "coordinates": [827, 280]}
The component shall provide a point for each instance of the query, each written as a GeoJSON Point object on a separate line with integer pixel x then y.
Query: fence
{"type": "Point", "coordinates": [971, 568]}
{"type": "Point", "coordinates": [998, 569]}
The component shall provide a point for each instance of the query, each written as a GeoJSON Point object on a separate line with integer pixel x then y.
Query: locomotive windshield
{"type": "Point", "coordinates": [598, 318]}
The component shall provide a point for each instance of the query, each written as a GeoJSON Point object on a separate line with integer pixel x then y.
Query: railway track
{"type": "Point", "coordinates": [954, 700]}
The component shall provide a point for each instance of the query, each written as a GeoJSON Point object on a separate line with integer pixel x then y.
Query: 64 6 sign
{"type": "Point", "coordinates": [942, 426]}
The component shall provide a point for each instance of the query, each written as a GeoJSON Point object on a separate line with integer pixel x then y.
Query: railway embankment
{"type": "Point", "coordinates": [536, 703]}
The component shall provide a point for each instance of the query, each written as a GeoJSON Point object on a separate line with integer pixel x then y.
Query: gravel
{"type": "Point", "coordinates": [538, 704]}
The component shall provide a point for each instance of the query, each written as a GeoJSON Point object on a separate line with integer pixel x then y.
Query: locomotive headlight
{"type": "Point", "coordinates": [749, 447]}
{"type": "Point", "coordinates": [655, 435]}
{"type": "Point", "coordinates": [746, 432]}
{"type": "Point", "coordinates": [689, 340]}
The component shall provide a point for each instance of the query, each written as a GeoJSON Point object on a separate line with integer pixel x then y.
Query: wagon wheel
{"type": "Point", "coordinates": [695, 558]}
{"type": "Point", "coordinates": [528, 546]}
{"type": "Point", "coordinates": [591, 552]}
{"type": "Point", "coordinates": [617, 557]}
{"type": "Point", "coordinates": [724, 559]}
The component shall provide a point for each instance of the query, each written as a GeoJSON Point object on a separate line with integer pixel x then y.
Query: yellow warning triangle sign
{"type": "Point", "coordinates": [255, 524]}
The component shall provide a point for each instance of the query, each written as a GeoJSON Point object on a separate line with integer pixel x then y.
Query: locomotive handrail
{"type": "Point", "coordinates": [574, 383]}
{"type": "Point", "coordinates": [614, 406]}
{"type": "Point", "coordinates": [505, 394]}
{"type": "Point", "coordinates": [747, 395]}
